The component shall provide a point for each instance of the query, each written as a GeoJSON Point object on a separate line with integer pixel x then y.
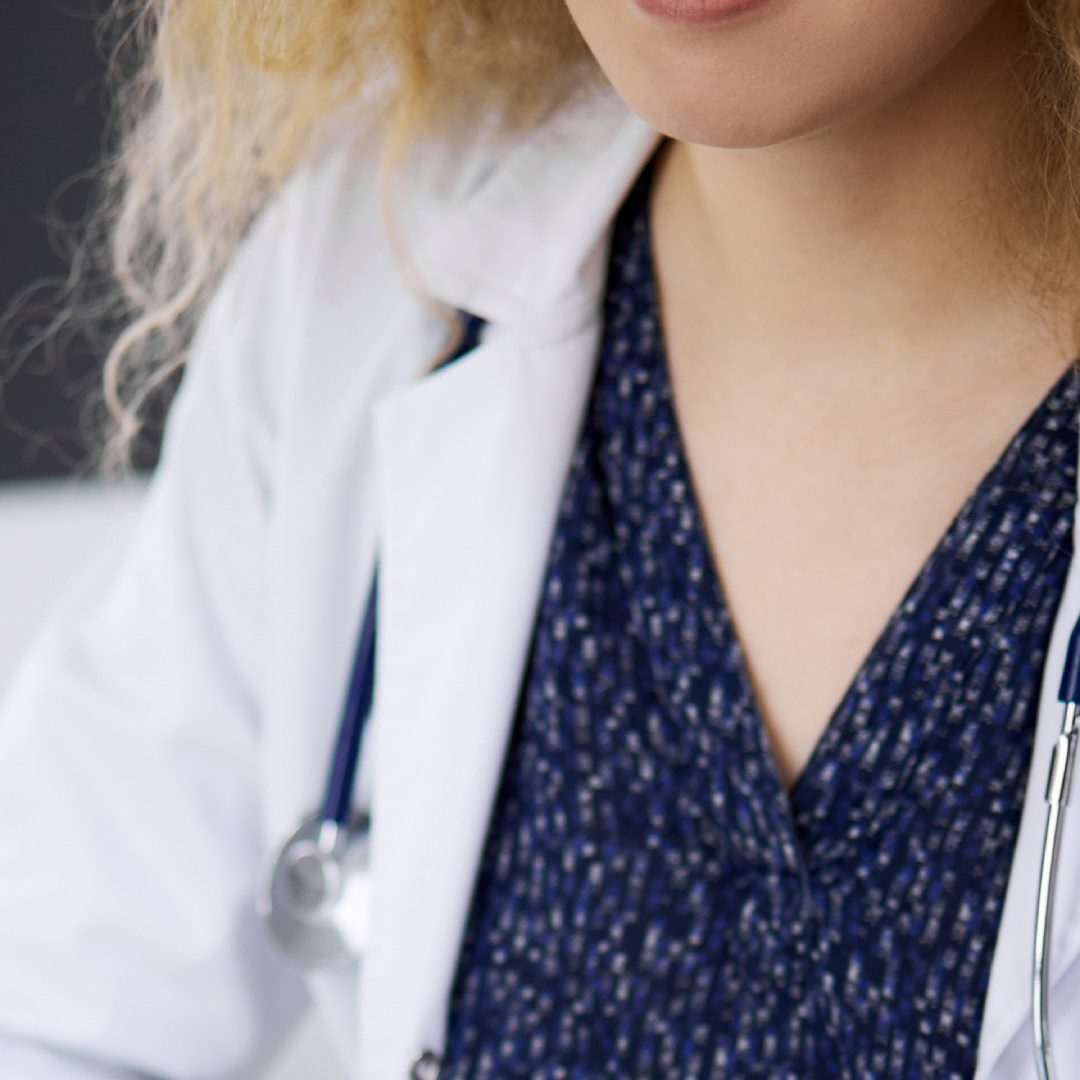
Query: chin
{"type": "Point", "coordinates": [714, 112]}
{"type": "Point", "coordinates": [784, 70]}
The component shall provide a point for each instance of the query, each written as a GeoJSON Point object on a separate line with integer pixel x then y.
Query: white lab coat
{"type": "Point", "coordinates": [174, 719]}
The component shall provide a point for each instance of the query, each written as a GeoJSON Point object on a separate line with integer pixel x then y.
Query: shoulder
{"type": "Point", "coordinates": [506, 227]}
{"type": "Point", "coordinates": [458, 208]}
{"type": "Point", "coordinates": [319, 238]}
{"type": "Point", "coordinates": [311, 281]}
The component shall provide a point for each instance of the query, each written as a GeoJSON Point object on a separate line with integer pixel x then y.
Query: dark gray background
{"type": "Point", "coordinates": [52, 128]}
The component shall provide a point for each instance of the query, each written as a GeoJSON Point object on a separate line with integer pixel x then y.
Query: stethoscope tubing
{"type": "Point", "coordinates": [1058, 785]}
{"type": "Point", "coordinates": [341, 778]}
{"type": "Point", "coordinates": [1040, 987]}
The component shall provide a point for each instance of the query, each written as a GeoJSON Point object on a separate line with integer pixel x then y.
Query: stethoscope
{"type": "Point", "coordinates": [316, 899]}
{"type": "Point", "coordinates": [1058, 784]}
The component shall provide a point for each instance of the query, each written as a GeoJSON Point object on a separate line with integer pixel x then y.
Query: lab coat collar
{"type": "Point", "coordinates": [512, 231]}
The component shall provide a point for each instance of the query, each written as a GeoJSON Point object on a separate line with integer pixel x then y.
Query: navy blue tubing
{"type": "Point", "coordinates": [1070, 676]}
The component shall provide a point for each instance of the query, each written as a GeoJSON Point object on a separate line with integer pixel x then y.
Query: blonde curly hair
{"type": "Point", "coordinates": [223, 99]}
{"type": "Point", "coordinates": [217, 101]}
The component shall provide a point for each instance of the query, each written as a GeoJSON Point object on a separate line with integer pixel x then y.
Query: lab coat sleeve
{"type": "Point", "coordinates": [130, 747]}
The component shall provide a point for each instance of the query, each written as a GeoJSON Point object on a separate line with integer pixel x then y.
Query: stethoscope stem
{"type": "Point", "coordinates": [1058, 783]}
{"type": "Point", "coordinates": [330, 833]}
{"type": "Point", "coordinates": [1040, 988]}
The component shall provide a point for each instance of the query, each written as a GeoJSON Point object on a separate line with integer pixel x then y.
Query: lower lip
{"type": "Point", "coordinates": [698, 12]}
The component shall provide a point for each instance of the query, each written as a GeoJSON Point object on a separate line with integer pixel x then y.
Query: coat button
{"type": "Point", "coordinates": [426, 1066]}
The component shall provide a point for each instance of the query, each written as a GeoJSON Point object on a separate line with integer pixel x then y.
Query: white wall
{"type": "Point", "coordinates": [47, 532]}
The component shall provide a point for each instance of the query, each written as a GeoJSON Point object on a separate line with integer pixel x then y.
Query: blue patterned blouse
{"type": "Point", "coordinates": [651, 902]}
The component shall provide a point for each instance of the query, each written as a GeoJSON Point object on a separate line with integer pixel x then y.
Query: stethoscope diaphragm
{"type": "Point", "coordinates": [316, 900]}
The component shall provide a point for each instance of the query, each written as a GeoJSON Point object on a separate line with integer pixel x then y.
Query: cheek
{"type": "Point", "coordinates": [787, 69]}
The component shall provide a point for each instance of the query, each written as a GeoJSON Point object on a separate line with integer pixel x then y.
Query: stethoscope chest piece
{"type": "Point", "coordinates": [316, 900]}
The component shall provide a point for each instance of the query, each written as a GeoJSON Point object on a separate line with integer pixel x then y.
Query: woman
{"type": "Point", "coordinates": [778, 296]}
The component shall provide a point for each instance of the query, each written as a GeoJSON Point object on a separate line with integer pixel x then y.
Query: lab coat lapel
{"type": "Point", "coordinates": [1007, 1011]}
{"type": "Point", "coordinates": [471, 461]}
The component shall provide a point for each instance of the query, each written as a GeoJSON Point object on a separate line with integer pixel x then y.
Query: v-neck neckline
{"type": "Point", "coordinates": [796, 804]}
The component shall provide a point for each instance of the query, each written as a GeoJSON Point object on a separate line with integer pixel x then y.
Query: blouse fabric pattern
{"type": "Point", "coordinates": [651, 902]}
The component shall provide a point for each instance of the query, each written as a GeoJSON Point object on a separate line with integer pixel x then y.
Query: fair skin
{"type": "Point", "coordinates": [848, 357]}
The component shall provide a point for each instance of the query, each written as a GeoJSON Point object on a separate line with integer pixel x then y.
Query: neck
{"type": "Point", "coordinates": [865, 243]}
